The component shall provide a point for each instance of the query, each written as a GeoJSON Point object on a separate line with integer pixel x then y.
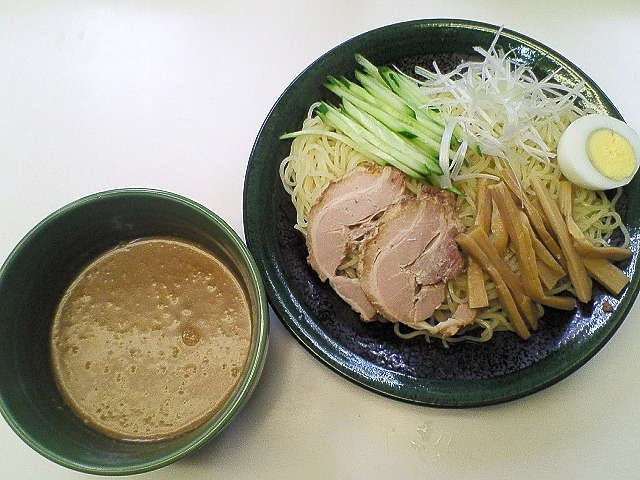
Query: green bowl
{"type": "Point", "coordinates": [33, 279]}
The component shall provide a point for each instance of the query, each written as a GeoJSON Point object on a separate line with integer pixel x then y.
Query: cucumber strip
{"type": "Point", "coordinates": [429, 119]}
{"type": "Point", "coordinates": [370, 68]}
{"type": "Point", "coordinates": [362, 137]}
{"type": "Point", "coordinates": [410, 93]}
{"type": "Point", "coordinates": [338, 86]}
{"type": "Point", "coordinates": [401, 126]}
{"type": "Point", "coordinates": [418, 99]}
{"type": "Point", "coordinates": [379, 96]}
{"type": "Point", "coordinates": [475, 147]}
{"type": "Point", "coordinates": [392, 98]}
{"type": "Point", "coordinates": [383, 138]}
{"type": "Point", "coordinates": [429, 150]}
{"type": "Point", "coordinates": [408, 90]}
{"type": "Point", "coordinates": [413, 99]}
{"type": "Point", "coordinates": [384, 94]}
{"type": "Point", "coordinates": [437, 182]}
{"type": "Point", "coordinates": [377, 128]}
{"type": "Point", "coordinates": [456, 191]}
{"type": "Point", "coordinates": [353, 88]}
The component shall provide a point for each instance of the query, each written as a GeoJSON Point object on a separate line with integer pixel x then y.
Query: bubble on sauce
{"type": "Point", "coordinates": [190, 370]}
{"type": "Point", "coordinates": [190, 336]}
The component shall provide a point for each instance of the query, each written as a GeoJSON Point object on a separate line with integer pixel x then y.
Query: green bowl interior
{"type": "Point", "coordinates": [34, 278]}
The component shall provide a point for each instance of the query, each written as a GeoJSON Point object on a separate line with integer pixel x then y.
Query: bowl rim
{"type": "Point", "coordinates": [257, 354]}
{"type": "Point", "coordinates": [333, 355]}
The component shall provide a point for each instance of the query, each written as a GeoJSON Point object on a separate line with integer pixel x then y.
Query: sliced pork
{"type": "Point", "coordinates": [463, 316]}
{"type": "Point", "coordinates": [341, 219]}
{"type": "Point", "coordinates": [409, 255]}
{"type": "Point", "coordinates": [351, 292]}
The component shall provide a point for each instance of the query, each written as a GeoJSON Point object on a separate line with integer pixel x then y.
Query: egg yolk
{"type": "Point", "coordinates": [611, 154]}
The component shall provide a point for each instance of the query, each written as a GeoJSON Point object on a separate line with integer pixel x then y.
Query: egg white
{"type": "Point", "coordinates": [573, 157]}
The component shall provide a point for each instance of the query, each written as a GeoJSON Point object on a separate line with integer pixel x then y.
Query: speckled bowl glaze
{"type": "Point", "coordinates": [465, 374]}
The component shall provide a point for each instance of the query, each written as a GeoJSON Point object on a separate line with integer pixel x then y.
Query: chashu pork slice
{"type": "Point", "coordinates": [344, 214]}
{"type": "Point", "coordinates": [463, 316]}
{"type": "Point", "coordinates": [412, 252]}
{"type": "Point", "coordinates": [351, 292]}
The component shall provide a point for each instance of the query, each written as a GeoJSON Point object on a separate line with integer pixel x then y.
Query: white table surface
{"type": "Point", "coordinates": [170, 94]}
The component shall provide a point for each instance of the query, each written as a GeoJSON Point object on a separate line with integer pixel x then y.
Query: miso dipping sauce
{"type": "Point", "coordinates": [150, 339]}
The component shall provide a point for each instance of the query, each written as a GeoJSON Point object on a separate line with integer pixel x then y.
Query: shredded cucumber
{"type": "Point", "coordinates": [401, 124]}
{"type": "Point", "coordinates": [366, 140]}
{"type": "Point", "coordinates": [402, 145]}
{"type": "Point", "coordinates": [382, 116]}
{"type": "Point", "coordinates": [384, 94]}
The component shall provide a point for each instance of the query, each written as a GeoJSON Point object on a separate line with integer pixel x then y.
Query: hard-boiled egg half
{"type": "Point", "coordinates": [599, 152]}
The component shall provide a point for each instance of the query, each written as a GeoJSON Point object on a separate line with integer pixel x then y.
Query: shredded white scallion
{"type": "Point", "coordinates": [445, 145]}
{"type": "Point", "coordinates": [469, 176]}
{"type": "Point", "coordinates": [458, 159]}
{"type": "Point", "coordinates": [501, 106]}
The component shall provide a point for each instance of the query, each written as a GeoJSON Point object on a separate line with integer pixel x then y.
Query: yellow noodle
{"type": "Point", "coordinates": [316, 160]}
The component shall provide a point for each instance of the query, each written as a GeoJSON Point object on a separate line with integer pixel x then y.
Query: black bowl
{"type": "Point", "coordinates": [465, 374]}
